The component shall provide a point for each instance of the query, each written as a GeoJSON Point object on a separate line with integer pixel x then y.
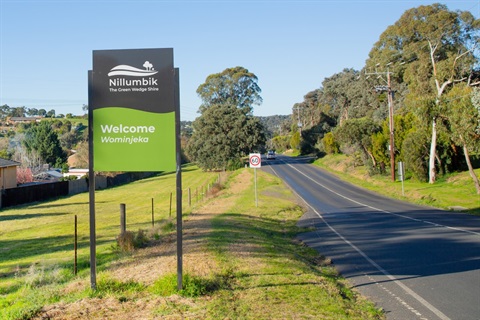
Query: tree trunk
{"type": "Point", "coordinates": [469, 164]}
{"type": "Point", "coordinates": [374, 162]}
{"type": "Point", "coordinates": [433, 148]}
{"type": "Point", "coordinates": [439, 164]}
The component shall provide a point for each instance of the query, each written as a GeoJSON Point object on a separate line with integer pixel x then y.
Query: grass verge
{"type": "Point", "coordinates": [452, 191]}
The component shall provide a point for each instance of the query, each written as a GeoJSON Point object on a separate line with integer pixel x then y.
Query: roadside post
{"type": "Point", "coordinates": [401, 175]}
{"type": "Point", "coordinates": [255, 160]}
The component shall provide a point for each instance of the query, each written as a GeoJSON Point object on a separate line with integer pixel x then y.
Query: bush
{"type": "Point", "coordinates": [129, 241]}
{"type": "Point", "coordinates": [41, 275]}
{"type": "Point", "coordinates": [415, 154]}
{"type": "Point", "coordinates": [330, 146]}
{"type": "Point", "coordinates": [234, 164]}
{"type": "Point", "coordinates": [125, 241]}
{"type": "Point", "coordinates": [68, 178]}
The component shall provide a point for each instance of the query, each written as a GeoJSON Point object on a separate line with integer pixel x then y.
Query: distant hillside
{"type": "Point", "coordinates": [273, 123]}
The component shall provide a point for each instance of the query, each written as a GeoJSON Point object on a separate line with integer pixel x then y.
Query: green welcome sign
{"type": "Point", "coordinates": [132, 97]}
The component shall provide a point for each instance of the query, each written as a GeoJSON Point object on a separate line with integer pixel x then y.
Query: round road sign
{"type": "Point", "coordinates": [255, 160]}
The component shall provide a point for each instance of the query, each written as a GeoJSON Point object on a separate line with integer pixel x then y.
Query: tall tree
{"type": "Point", "coordinates": [32, 111]}
{"type": "Point", "coordinates": [18, 112]}
{"type": "Point", "coordinates": [235, 86]}
{"type": "Point", "coordinates": [4, 111]}
{"type": "Point", "coordinates": [343, 92]}
{"type": "Point", "coordinates": [223, 134]}
{"type": "Point", "coordinates": [430, 48]}
{"type": "Point", "coordinates": [43, 140]}
{"type": "Point", "coordinates": [464, 121]}
{"type": "Point", "coordinates": [357, 133]}
{"type": "Point", "coordinates": [226, 129]}
{"type": "Point", "coordinates": [50, 114]}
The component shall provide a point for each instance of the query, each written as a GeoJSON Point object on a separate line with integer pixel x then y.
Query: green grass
{"type": "Point", "coordinates": [272, 276]}
{"type": "Point", "coordinates": [42, 235]}
{"type": "Point", "coordinates": [263, 272]}
{"type": "Point", "coordinates": [452, 190]}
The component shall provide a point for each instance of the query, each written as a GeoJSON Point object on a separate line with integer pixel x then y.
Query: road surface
{"type": "Point", "coordinates": [414, 262]}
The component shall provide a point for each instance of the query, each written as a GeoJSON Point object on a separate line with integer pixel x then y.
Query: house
{"type": "Point", "coordinates": [17, 120]}
{"type": "Point", "coordinates": [50, 175]}
{"type": "Point", "coordinates": [76, 172]}
{"type": "Point", "coordinates": [8, 173]}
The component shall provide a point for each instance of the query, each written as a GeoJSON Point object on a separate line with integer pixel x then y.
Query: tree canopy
{"type": "Point", "coordinates": [424, 66]}
{"type": "Point", "coordinates": [226, 129]}
{"type": "Point", "coordinates": [235, 86]}
{"type": "Point", "coordinates": [431, 50]}
{"type": "Point", "coordinates": [223, 134]}
{"type": "Point", "coordinates": [43, 140]}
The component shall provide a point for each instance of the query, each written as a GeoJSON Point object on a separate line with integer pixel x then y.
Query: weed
{"type": "Point", "coordinates": [125, 241]}
{"type": "Point", "coordinates": [167, 226]}
{"type": "Point", "coordinates": [107, 286]}
{"type": "Point", "coordinates": [192, 286]}
{"type": "Point", "coordinates": [40, 275]}
{"type": "Point", "coordinates": [129, 241]}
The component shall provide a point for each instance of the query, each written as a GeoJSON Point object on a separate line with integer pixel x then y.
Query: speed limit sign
{"type": "Point", "coordinates": [255, 160]}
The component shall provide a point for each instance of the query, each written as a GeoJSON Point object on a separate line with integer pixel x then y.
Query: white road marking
{"type": "Point", "coordinates": [381, 210]}
{"type": "Point", "coordinates": [417, 297]}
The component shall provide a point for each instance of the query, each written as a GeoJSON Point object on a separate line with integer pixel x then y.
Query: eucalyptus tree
{"type": "Point", "coordinates": [431, 49]}
{"type": "Point", "coordinates": [306, 113]}
{"type": "Point", "coordinates": [42, 112]}
{"type": "Point", "coordinates": [234, 86]}
{"type": "Point", "coordinates": [343, 92]}
{"type": "Point", "coordinates": [32, 111]}
{"type": "Point", "coordinates": [357, 134]}
{"type": "Point", "coordinates": [226, 129]}
{"type": "Point", "coordinates": [4, 111]}
{"type": "Point", "coordinates": [222, 135]}
{"type": "Point", "coordinates": [465, 123]}
{"type": "Point", "coordinates": [18, 112]}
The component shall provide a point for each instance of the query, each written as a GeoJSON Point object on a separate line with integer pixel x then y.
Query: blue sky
{"type": "Point", "coordinates": [292, 46]}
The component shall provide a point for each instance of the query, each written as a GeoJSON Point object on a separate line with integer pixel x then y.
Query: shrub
{"type": "Point", "coordinates": [234, 164]}
{"type": "Point", "coordinates": [129, 241]}
{"type": "Point", "coordinates": [125, 241]}
{"type": "Point", "coordinates": [330, 146]}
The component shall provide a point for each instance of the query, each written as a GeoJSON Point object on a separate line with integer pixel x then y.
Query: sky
{"type": "Point", "coordinates": [291, 46]}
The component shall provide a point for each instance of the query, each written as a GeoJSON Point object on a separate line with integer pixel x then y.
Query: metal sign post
{"type": "Point", "coordinates": [401, 175]}
{"type": "Point", "coordinates": [255, 160]}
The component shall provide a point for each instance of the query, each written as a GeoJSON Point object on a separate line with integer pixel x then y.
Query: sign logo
{"type": "Point", "coordinates": [255, 160]}
{"type": "Point", "coordinates": [144, 84]}
{"type": "Point", "coordinates": [126, 70]}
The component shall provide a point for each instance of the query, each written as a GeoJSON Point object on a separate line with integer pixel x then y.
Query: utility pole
{"type": "Point", "coordinates": [388, 89]}
{"type": "Point", "coordinates": [299, 123]}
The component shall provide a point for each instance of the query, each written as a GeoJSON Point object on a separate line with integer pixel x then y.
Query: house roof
{"type": "Point", "coordinates": [8, 163]}
{"type": "Point", "coordinates": [23, 118]}
{"type": "Point", "coordinates": [54, 173]}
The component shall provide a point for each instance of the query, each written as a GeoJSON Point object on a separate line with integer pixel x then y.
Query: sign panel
{"type": "Point", "coordinates": [255, 160]}
{"type": "Point", "coordinates": [133, 106]}
{"type": "Point", "coordinates": [401, 171]}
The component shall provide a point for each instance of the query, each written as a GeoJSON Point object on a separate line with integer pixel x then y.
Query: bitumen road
{"type": "Point", "coordinates": [414, 262]}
